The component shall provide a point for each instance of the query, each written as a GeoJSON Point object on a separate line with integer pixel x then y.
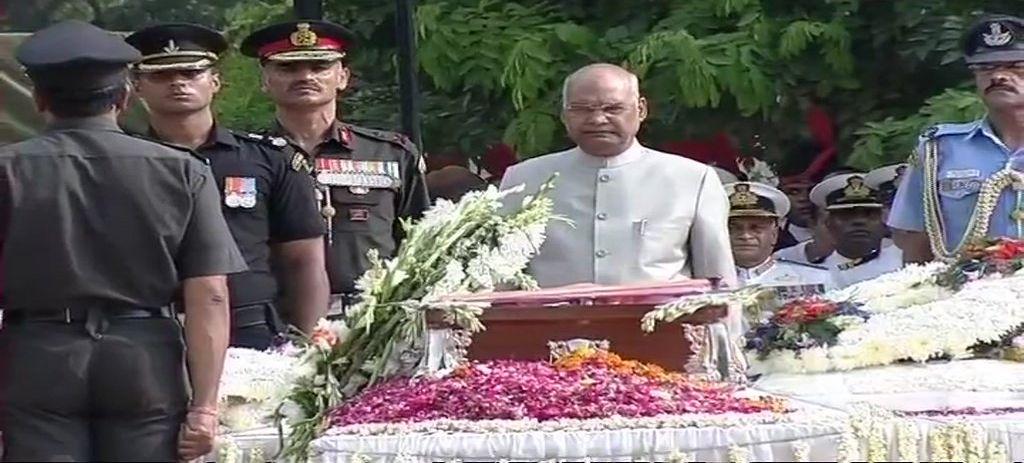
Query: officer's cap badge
{"type": "Point", "coordinates": [171, 47]}
{"type": "Point", "coordinates": [856, 189]}
{"type": "Point", "coordinates": [996, 35]}
{"type": "Point", "coordinates": [303, 36]}
{"type": "Point", "coordinates": [742, 197]}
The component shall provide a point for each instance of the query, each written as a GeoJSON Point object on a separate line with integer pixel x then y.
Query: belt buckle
{"type": "Point", "coordinates": [67, 315]}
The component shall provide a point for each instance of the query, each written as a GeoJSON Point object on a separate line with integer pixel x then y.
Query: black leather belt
{"type": "Point", "coordinates": [79, 314]}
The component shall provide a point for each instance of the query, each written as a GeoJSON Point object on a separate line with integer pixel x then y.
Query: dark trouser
{"type": "Point", "coordinates": [255, 326]}
{"type": "Point", "coordinates": [107, 390]}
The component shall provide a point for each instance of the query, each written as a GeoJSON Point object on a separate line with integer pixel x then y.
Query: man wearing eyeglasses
{"type": "Point", "coordinates": [638, 215]}
{"type": "Point", "coordinates": [936, 212]}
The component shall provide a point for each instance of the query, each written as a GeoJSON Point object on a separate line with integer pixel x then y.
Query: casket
{"type": "Point", "coordinates": [521, 324]}
{"type": "Point", "coordinates": [523, 333]}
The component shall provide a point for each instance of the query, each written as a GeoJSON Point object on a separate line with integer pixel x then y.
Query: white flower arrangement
{"type": "Point", "coordinates": [912, 285]}
{"type": "Point", "coordinates": [975, 375]}
{"type": "Point", "coordinates": [477, 244]}
{"type": "Point", "coordinates": [252, 385]}
{"type": "Point", "coordinates": [912, 318]}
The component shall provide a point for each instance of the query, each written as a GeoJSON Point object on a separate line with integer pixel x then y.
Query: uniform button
{"type": "Point", "coordinates": [601, 216]}
{"type": "Point", "coordinates": [604, 178]}
{"type": "Point", "coordinates": [601, 253]}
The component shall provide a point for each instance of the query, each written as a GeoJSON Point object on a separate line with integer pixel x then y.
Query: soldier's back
{"type": "Point", "coordinates": [96, 215]}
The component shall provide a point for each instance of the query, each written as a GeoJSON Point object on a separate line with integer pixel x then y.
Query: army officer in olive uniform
{"type": "Point", "coordinates": [367, 179]}
{"type": "Point", "coordinates": [103, 229]}
{"type": "Point", "coordinates": [270, 207]}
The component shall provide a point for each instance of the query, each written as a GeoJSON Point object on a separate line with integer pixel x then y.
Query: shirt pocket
{"type": "Point", "coordinates": [369, 211]}
{"type": "Point", "coordinates": [660, 241]}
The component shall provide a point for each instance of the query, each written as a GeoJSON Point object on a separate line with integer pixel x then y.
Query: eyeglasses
{"type": "Point", "coordinates": [611, 109]}
{"type": "Point", "coordinates": [1014, 66]}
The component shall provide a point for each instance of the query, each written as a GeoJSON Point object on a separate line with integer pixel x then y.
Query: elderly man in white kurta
{"type": "Point", "coordinates": [638, 215]}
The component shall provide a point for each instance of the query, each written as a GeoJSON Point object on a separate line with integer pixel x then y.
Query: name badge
{"type": "Point", "coordinates": [359, 176]}
{"type": "Point", "coordinates": [961, 173]}
{"type": "Point", "coordinates": [240, 192]}
{"type": "Point", "coordinates": [959, 187]}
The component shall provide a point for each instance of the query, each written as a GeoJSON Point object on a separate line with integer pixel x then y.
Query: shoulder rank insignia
{"type": "Point", "coordinates": [914, 159]}
{"type": "Point", "coordinates": [278, 141]}
{"type": "Point", "coordinates": [346, 135]}
{"type": "Point", "coordinates": [930, 132]}
{"type": "Point", "coordinates": [254, 136]}
{"type": "Point", "coordinates": [299, 163]}
{"type": "Point", "coordinates": [802, 264]}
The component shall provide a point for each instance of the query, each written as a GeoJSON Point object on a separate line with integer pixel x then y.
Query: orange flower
{"type": "Point", "coordinates": [601, 359]}
{"type": "Point", "coordinates": [323, 338]}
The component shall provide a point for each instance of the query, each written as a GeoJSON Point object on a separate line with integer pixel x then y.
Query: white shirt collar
{"type": "Point", "coordinates": [633, 153]}
{"type": "Point", "coordinates": [745, 274]}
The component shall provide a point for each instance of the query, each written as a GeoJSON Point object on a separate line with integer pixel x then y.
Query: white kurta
{"type": "Point", "coordinates": [641, 216]}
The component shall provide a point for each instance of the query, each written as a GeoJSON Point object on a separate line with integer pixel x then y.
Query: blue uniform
{"type": "Point", "coordinates": [968, 155]}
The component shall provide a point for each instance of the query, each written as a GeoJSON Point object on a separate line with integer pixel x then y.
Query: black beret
{"type": "Point", "coordinates": [995, 39]}
{"type": "Point", "coordinates": [177, 46]}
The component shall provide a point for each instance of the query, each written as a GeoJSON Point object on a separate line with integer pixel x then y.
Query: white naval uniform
{"type": "Point", "coordinates": [795, 253]}
{"type": "Point", "coordinates": [798, 252]}
{"type": "Point", "coordinates": [800, 234]}
{"type": "Point", "coordinates": [641, 216]}
{"type": "Point", "coordinates": [889, 259]}
{"type": "Point", "coordinates": [781, 273]}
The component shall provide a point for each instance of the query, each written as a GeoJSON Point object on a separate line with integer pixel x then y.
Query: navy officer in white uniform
{"type": "Point", "coordinates": [756, 215]}
{"type": "Point", "coordinates": [855, 222]}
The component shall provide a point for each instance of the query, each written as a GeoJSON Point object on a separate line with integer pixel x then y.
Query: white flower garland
{"type": "Point", "coordinates": [801, 452]}
{"type": "Point", "coordinates": [973, 375]}
{"type": "Point", "coordinates": [697, 420]}
{"type": "Point", "coordinates": [914, 283]}
{"type": "Point", "coordinates": [687, 305]}
{"type": "Point", "coordinates": [983, 311]}
{"type": "Point", "coordinates": [738, 454]}
{"type": "Point", "coordinates": [865, 427]}
{"type": "Point", "coordinates": [252, 385]}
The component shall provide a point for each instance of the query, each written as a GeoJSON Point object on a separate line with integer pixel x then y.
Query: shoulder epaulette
{"type": "Point", "coordinates": [939, 130]}
{"type": "Point", "coordinates": [385, 136]}
{"type": "Point", "coordinates": [270, 140]}
{"type": "Point", "coordinates": [294, 157]}
{"type": "Point", "coordinates": [802, 264]}
{"type": "Point", "coordinates": [175, 146]}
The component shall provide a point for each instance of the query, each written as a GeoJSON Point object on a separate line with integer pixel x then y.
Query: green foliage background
{"type": "Point", "coordinates": [491, 70]}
